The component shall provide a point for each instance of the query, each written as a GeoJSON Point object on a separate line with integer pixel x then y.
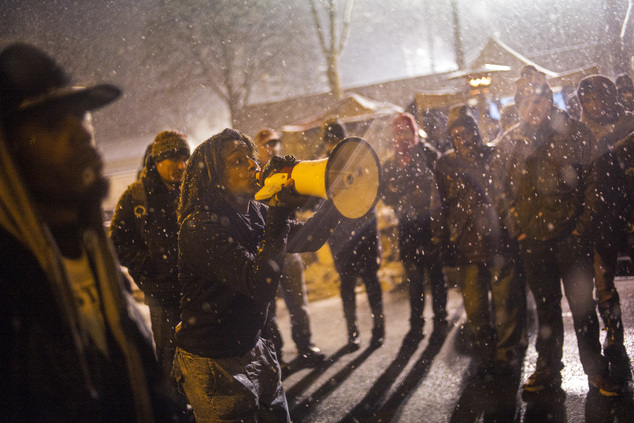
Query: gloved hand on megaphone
{"type": "Point", "coordinates": [277, 185]}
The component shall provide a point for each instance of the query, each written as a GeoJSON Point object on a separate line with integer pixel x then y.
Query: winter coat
{"type": "Point", "coordinates": [144, 231]}
{"type": "Point", "coordinates": [356, 246]}
{"type": "Point", "coordinates": [412, 193]}
{"type": "Point", "coordinates": [230, 265]}
{"type": "Point", "coordinates": [49, 369]}
{"type": "Point", "coordinates": [608, 176]}
{"type": "Point", "coordinates": [471, 230]}
{"type": "Point", "coordinates": [543, 172]}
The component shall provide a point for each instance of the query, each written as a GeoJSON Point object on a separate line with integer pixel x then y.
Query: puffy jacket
{"type": "Point", "coordinates": [144, 231]}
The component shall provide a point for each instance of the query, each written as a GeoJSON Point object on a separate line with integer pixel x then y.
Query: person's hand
{"type": "Point", "coordinates": [288, 197]}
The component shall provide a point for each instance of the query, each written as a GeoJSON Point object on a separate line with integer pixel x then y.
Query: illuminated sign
{"type": "Point", "coordinates": [479, 82]}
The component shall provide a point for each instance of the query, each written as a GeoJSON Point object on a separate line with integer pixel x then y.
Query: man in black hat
{"type": "Point", "coordinates": [144, 231]}
{"type": "Point", "coordinates": [71, 348]}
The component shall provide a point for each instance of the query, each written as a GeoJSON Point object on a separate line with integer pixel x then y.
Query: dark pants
{"type": "Point", "coordinates": [235, 389]}
{"type": "Point", "coordinates": [415, 272]}
{"type": "Point", "coordinates": [547, 264]}
{"type": "Point", "coordinates": [164, 319]}
{"type": "Point", "coordinates": [348, 298]}
{"type": "Point", "coordinates": [420, 257]}
{"type": "Point", "coordinates": [605, 262]}
{"type": "Point", "coordinates": [293, 289]}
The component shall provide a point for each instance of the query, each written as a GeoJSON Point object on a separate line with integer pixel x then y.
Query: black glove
{"type": "Point", "coordinates": [276, 165]}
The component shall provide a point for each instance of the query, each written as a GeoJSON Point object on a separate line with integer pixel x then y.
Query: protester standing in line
{"type": "Point", "coordinates": [470, 227]}
{"type": "Point", "coordinates": [144, 231]}
{"type": "Point", "coordinates": [292, 283]}
{"type": "Point", "coordinates": [74, 347]}
{"type": "Point", "coordinates": [356, 251]}
{"type": "Point", "coordinates": [610, 123]}
{"type": "Point", "coordinates": [410, 189]}
{"type": "Point", "coordinates": [544, 167]}
{"type": "Point", "coordinates": [231, 254]}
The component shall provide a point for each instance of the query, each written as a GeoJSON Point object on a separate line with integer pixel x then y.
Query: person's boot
{"type": "Point", "coordinates": [353, 337]}
{"type": "Point", "coordinates": [378, 332]}
{"type": "Point", "coordinates": [613, 343]}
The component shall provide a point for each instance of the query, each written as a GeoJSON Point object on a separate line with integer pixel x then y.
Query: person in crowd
{"type": "Point", "coordinates": [292, 283]}
{"type": "Point", "coordinates": [144, 231]}
{"type": "Point", "coordinates": [609, 123]}
{"type": "Point", "coordinates": [410, 189]}
{"type": "Point", "coordinates": [509, 116]}
{"type": "Point", "coordinates": [544, 165]}
{"type": "Point", "coordinates": [469, 226]}
{"type": "Point", "coordinates": [74, 346]}
{"type": "Point", "coordinates": [356, 251]}
{"type": "Point", "coordinates": [625, 92]}
{"type": "Point", "coordinates": [435, 127]}
{"type": "Point", "coordinates": [231, 254]}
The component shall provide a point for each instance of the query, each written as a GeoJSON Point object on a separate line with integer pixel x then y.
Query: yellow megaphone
{"type": "Point", "coordinates": [350, 177]}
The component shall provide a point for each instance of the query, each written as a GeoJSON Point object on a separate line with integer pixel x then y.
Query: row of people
{"type": "Point", "coordinates": [530, 206]}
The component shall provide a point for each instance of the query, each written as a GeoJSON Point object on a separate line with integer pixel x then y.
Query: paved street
{"type": "Point", "coordinates": [433, 383]}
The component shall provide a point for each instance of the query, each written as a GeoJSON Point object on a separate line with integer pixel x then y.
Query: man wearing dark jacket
{"type": "Point", "coordinates": [610, 123]}
{"type": "Point", "coordinates": [544, 165]}
{"type": "Point", "coordinates": [73, 348]}
{"type": "Point", "coordinates": [410, 189]}
{"type": "Point", "coordinates": [231, 254]}
{"type": "Point", "coordinates": [469, 225]}
{"type": "Point", "coordinates": [144, 231]}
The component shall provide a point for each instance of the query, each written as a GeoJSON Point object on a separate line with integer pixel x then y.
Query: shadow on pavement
{"type": "Point", "coordinates": [493, 397]}
{"type": "Point", "coordinates": [311, 377]}
{"type": "Point", "coordinates": [600, 409]}
{"type": "Point", "coordinates": [547, 406]}
{"type": "Point", "coordinates": [370, 408]}
{"type": "Point", "coordinates": [299, 411]}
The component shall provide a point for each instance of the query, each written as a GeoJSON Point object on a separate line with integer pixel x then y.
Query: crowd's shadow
{"type": "Point", "coordinates": [600, 409]}
{"type": "Point", "coordinates": [493, 397]}
{"type": "Point", "coordinates": [372, 408]}
{"type": "Point", "coordinates": [301, 410]}
{"type": "Point", "coordinates": [547, 406]}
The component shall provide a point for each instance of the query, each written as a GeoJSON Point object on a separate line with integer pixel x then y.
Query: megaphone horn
{"type": "Point", "coordinates": [350, 177]}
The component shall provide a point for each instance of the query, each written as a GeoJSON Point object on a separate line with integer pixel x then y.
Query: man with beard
{"type": "Point", "coordinates": [144, 232]}
{"type": "Point", "coordinates": [73, 348]}
{"type": "Point", "coordinates": [544, 163]}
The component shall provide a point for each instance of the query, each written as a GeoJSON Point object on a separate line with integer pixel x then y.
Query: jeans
{"type": "Point", "coordinates": [547, 264]}
{"type": "Point", "coordinates": [235, 389]}
{"type": "Point", "coordinates": [496, 336]}
{"type": "Point", "coordinates": [164, 319]}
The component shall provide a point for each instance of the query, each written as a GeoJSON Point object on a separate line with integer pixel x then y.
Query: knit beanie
{"type": "Point", "coordinates": [404, 121]}
{"type": "Point", "coordinates": [531, 83]}
{"type": "Point", "coordinates": [169, 144]}
{"type": "Point", "coordinates": [460, 116]}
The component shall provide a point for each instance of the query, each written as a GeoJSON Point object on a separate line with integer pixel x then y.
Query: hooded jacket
{"type": "Point", "coordinates": [144, 231]}
{"type": "Point", "coordinates": [230, 263]}
{"type": "Point", "coordinates": [469, 222]}
{"type": "Point", "coordinates": [49, 371]}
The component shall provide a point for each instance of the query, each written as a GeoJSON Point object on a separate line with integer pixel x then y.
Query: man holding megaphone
{"type": "Point", "coordinates": [232, 251]}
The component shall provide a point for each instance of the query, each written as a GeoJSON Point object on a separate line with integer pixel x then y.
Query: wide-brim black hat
{"type": "Point", "coordinates": [30, 80]}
